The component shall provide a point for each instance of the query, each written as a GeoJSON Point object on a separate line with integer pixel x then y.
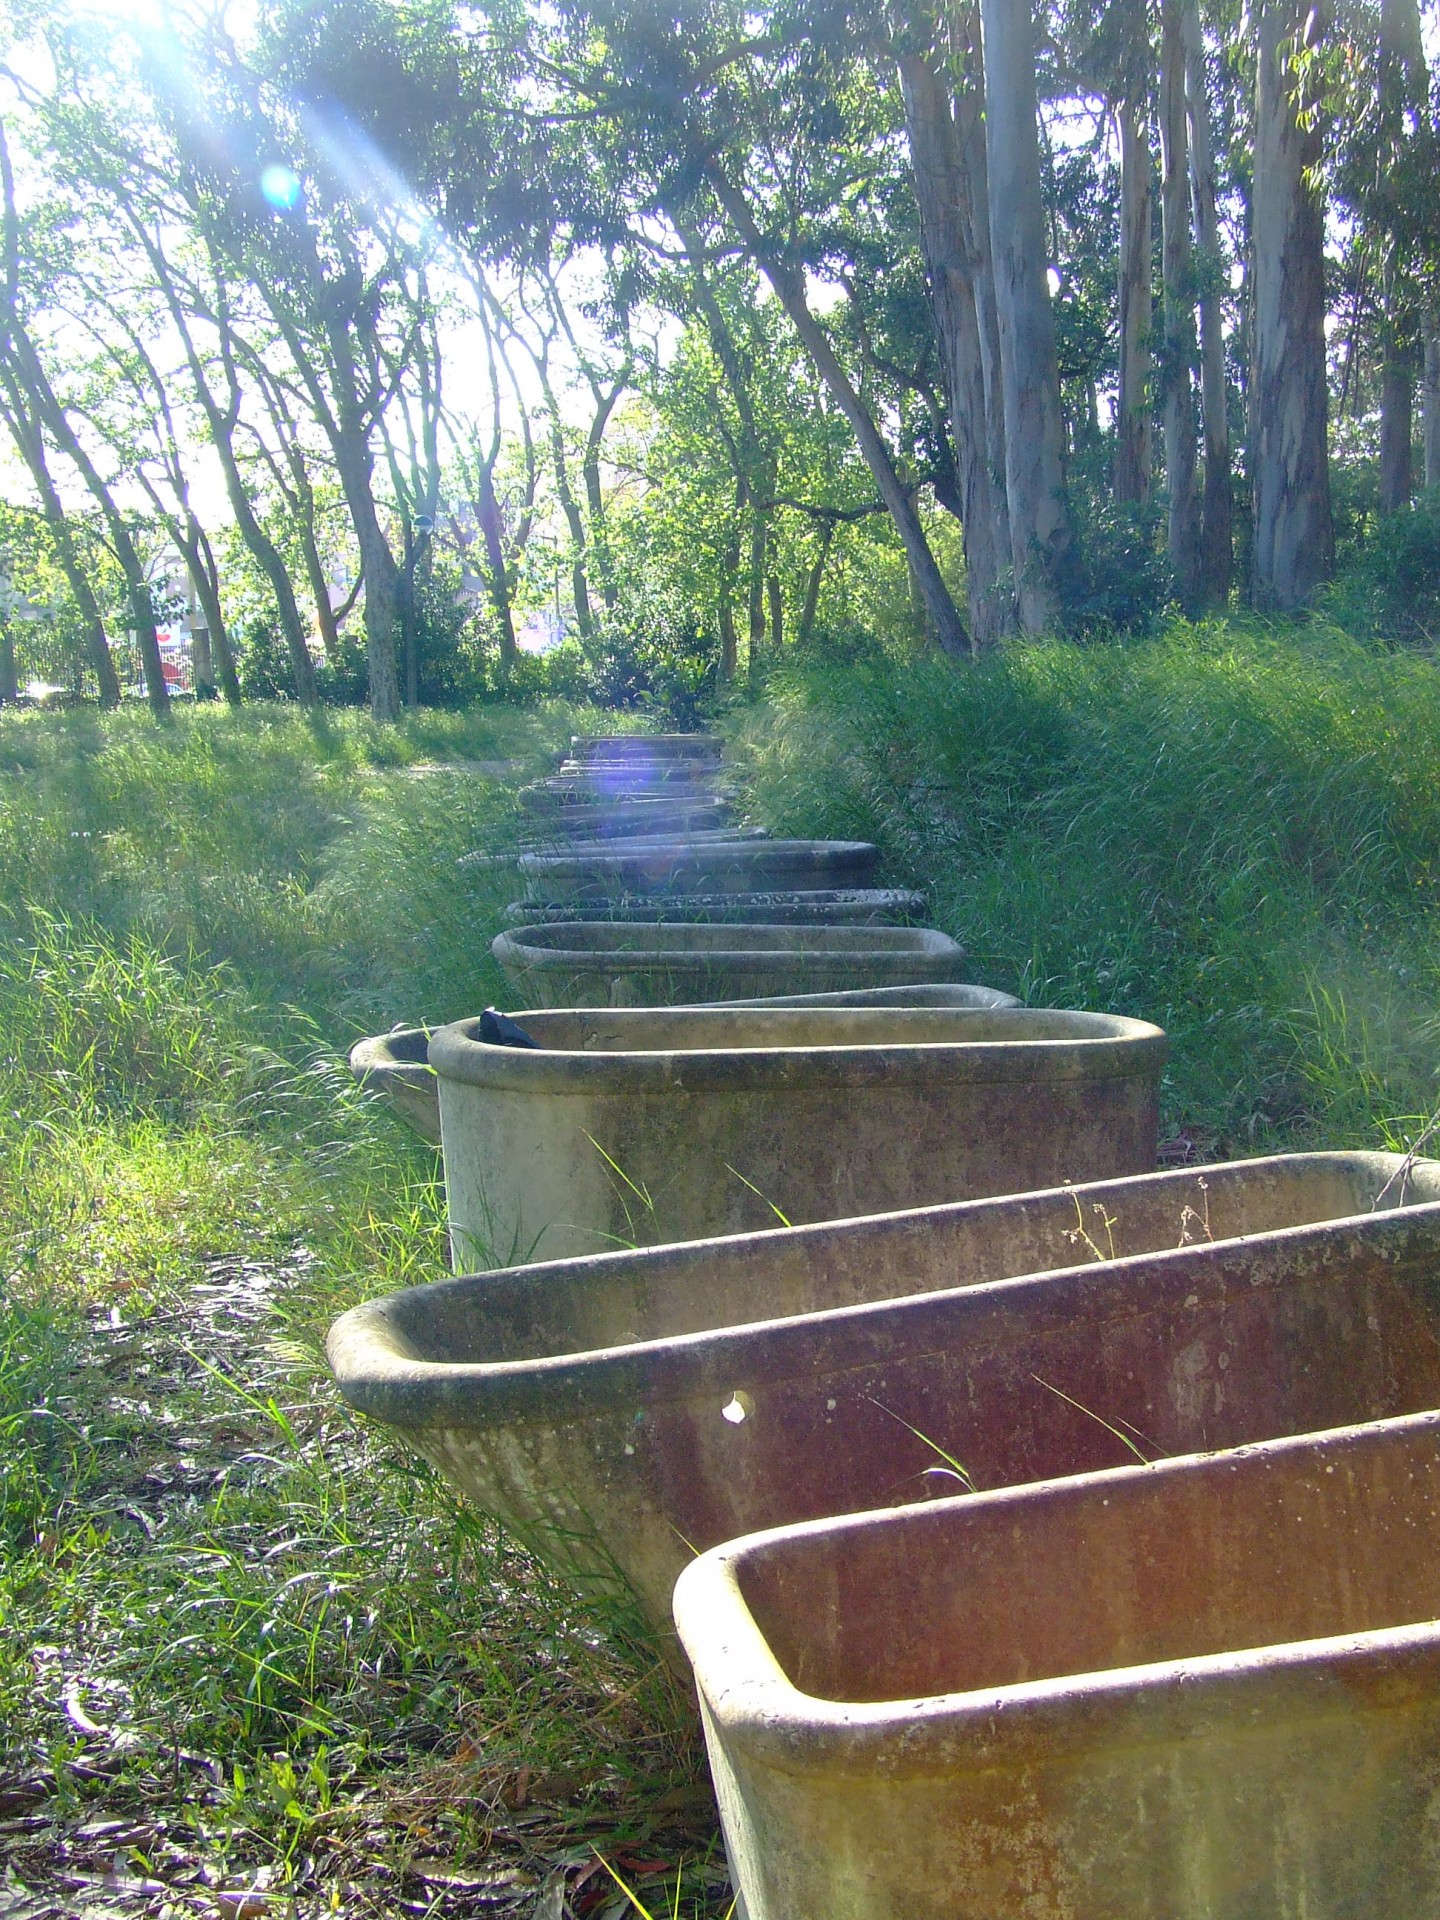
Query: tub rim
{"type": "Point", "coordinates": [1104, 1046]}
{"type": "Point", "coordinates": [747, 1695]}
{"type": "Point", "coordinates": [382, 1372]}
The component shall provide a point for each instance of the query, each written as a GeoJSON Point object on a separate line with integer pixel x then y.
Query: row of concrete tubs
{"type": "Point", "coordinates": [1046, 1536]}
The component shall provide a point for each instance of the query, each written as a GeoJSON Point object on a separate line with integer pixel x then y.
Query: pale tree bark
{"type": "Point", "coordinates": [222, 422]}
{"type": "Point", "coordinates": [952, 271]}
{"type": "Point", "coordinates": [1397, 426]}
{"type": "Point", "coordinates": [1430, 399]}
{"type": "Point", "coordinates": [1133, 454]}
{"type": "Point", "coordinates": [1179, 304]}
{"type": "Point", "coordinates": [966, 41]}
{"type": "Point", "coordinates": [1040, 536]}
{"type": "Point", "coordinates": [1217, 506]}
{"type": "Point", "coordinates": [1403, 79]}
{"type": "Point", "coordinates": [1294, 536]}
{"type": "Point", "coordinates": [942, 615]}
{"type": "Point", "coordinates": [753, 459]}
{"type": "Point", "coordinates": [30, 443]}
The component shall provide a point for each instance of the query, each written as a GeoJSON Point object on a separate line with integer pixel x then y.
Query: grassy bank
{"type": "Point", "coordinates": [246, 1645]}
{"type": "Point", "coordinates": [244, 1641]}
{"type": "Point", "coordinates": [1230, 831]}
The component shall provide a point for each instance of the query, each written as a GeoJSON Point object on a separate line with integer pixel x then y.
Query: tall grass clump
{"type": "Point", "coordinates": [1233, 832]}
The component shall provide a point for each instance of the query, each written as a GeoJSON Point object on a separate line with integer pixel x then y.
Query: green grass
{"type": "Point", "coordinates": [1231, 831]}
{"type": "Point", "coordinates": [253, 1631]}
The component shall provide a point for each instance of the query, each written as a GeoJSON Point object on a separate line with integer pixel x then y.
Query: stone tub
{"type": "Point", "coordinates": [396, 1065]}
{"type": "Point", "coordinates": [618, 963]}
{"type": "Point", "coordinates": [635, 1125]}
{"type": "Point", "coordinates": [1203, 1690]}
{"type": "Point", "coordinates": [813, 907]}
{"type": "Point", "coordinates": [622, 1410]}
{"type": "Point", "coordinates": [751, 865]}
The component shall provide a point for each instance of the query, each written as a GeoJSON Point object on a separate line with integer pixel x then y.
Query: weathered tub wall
{"type": "Point", "coordinates": [583, 1146]}
{"type": "Point", "coordinates": [1208, 1690]}
{"type": "Point", "coordinates": [603, 963]}
{"type": "Point", "coordinates": [594, 1403]}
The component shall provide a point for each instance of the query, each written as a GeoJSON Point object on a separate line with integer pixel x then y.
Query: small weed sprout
{"type": "Point", "coordinates": [1190, 1219]}
{"type": "Point", "coordinates": [951, 1470]}
{"type": "Point", "coordinates": [1080, 1235]}
{"type": "Point", "coordinates": [1100, 1420]}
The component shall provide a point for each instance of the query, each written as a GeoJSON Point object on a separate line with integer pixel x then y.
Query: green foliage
{"type": "Point", "coordinates": [1391, 589]}
{"type": "Point", "coordinates": [257, 1627]}
{"type": "Point", "coordinates": [1233, 833]}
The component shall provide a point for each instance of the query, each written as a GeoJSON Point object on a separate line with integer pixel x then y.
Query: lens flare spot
{"type": "Point", "coordinates": [281, 187]}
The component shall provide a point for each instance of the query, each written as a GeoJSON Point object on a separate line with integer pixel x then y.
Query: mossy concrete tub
{"type": "Point", "coordinates": [617, 1408]}
{"type": "Point", "coordinates": [1203, 1690]}
{"type": "Point", "coordinates": [617, 963]}
{"type": "Point", "coordinates": [647, 818]}
{"type": "Point", "coordinates": [396, 1065]}
{"type": "Point", "coordinates": [642, 749]}
{"type": "Point", "coordinates": [756, 865]}
{"type": "Point", "coordinates": [642, 1125]}
{"type": "Point", "coordinates": [814, 907]}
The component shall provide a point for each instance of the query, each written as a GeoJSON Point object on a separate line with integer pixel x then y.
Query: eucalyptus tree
{"type": "Point", "coordinates": [41, 413]}
{"type": "Point", "coordinates": [1217, 502]}
{"type": "Point", "coordinates": [1040, 529]}
{"type": "Point", "coordinates": [1294, 545]}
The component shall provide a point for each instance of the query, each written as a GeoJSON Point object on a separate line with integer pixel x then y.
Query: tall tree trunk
{"type": "Point", "coordinates": [1397, 426]}
{"type": "Point", "coordinates": [951, 267]}
{"type": "Point", "coordinates": [1294, 535]}
{"type": "Point", "coordinates": [755, 590]}
{"type": "Point", "coordinates": [1431, 402]}
{"type": "Point", "coordinates": [497, 574]}
{"type": "Point", "coordinates": [1040, 536]}
{"type": "Point", "coordinates": [9, 682]}
{"type": "Point", "coordinates": [355, 468]}
{"type": "Point", "coordinates": [1217, 511]}
{"type": "Point", "coordinates": [594, 493]}
{"type": "Point", "coordinates": [775, 600]}
{"type": "Point", "coordinates": [812, 586]}
{"type": "Point", "coordinates": [1403, 81]}
{"type": "Point", "coordinates": [26, 434]}
{"type": "Point", "coordinates": [1180, 348]}
{"type": "Point", "coordinates": [967, 41]}
{"type": "Point", "coordinates": [1133, 457]}
{"type": "Point", "coordinates": [203, 572]}
{"type": "Point", "coordinates": [941, 612]}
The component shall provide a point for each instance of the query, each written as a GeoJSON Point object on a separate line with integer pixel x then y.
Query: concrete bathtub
{"type": "Point", "coordinates": [605, 963]}
{"type": "Point", "coordinates": [1203, 1690]}
{"type": "Point", "coordinates": [699, 865]}
{"type": "Point", "coordinates": [396, 1065]}
{"type": "Point", "coordinates": [621, 1410]}
{"type": "Point", "coordinates": [640, 1125]}
{"type": "Point", "coordinates": [811, 907]}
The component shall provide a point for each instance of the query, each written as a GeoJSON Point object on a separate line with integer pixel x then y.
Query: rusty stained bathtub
{"type": "Point", "coordinates": [641, 1125]}
{"type": "Point", "coordinates": [396, 1065]}
{"type": "Point", "coordinates": [1203, 1690]}
{"type": "Point", "coordinates": [619, 963]}
{"type": "Point", "coordinates": [621, 1410]}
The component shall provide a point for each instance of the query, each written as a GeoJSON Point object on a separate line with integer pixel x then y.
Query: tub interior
{"type": "Point", "coordinates": [535, 1313]}
{"type": "Point", "coordinates": [709, 1029]}
{"type": "Point", "coordinates": [619, 938]}
{"type": "Point", "coordinates": [1291, 1542]}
